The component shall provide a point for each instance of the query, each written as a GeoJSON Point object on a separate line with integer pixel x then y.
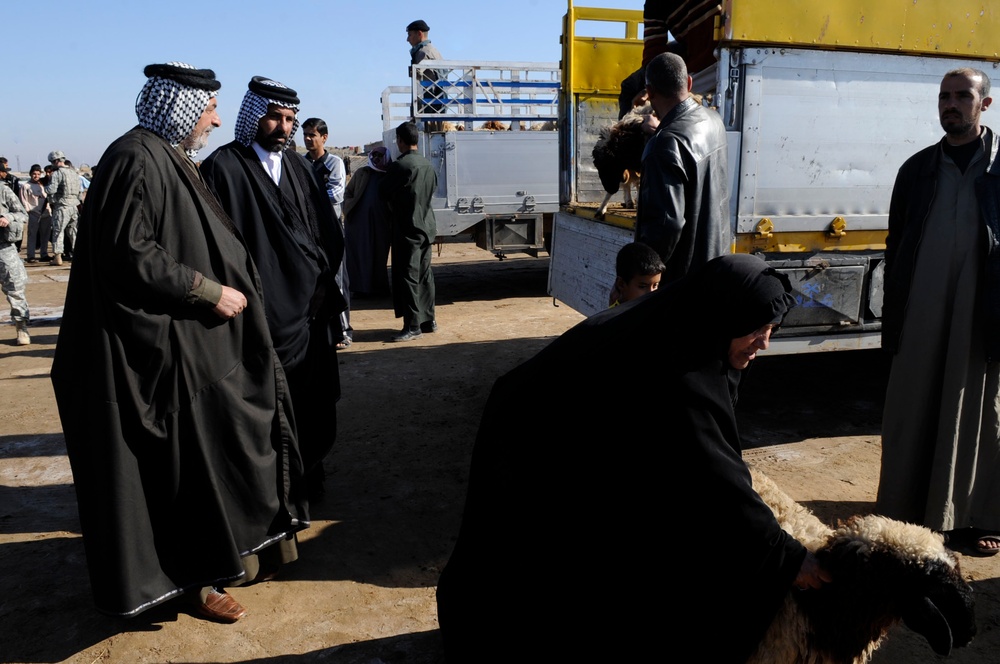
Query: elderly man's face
{"type": "Point", "coordinates": [275, 128]}
{"type": "Point", "coordinates": [209, 120]}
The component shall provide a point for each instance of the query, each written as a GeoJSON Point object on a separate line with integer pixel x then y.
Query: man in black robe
{"type": "Point", "coordinates": [283, 212]}
{"type": "Point", "coordinates": [636, 537]}
{"type": "Point", "coordinates": [407, 188]}
{"type": "Point", "coordinates": [173, 403]}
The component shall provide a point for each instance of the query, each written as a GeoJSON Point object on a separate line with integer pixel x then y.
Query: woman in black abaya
{"type": "Point", "coordinates": [635, 535]}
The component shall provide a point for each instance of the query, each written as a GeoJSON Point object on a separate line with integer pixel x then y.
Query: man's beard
{"type": "Point", "coordinates": [955, 125]}
{"type": "Point", "coordinates": [194, 143]}
{"type": "Point", "coordinates": [273, 142]}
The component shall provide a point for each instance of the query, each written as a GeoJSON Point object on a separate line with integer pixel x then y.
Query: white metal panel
{"type": "Point", "coordinates": [497, 173]}
{"type": "Point", "coordinates": [503, 167]}
{"type": "Point", "coordinates": [825, 132]}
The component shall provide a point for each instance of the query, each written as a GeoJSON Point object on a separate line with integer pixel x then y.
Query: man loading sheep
{"type": "Point", "coordinates": [684, 194]}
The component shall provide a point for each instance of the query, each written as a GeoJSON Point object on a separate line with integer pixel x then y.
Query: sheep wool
{"type": "Point", "coordinates": [884, 572]}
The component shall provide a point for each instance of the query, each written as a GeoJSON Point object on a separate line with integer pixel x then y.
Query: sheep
{"type": "Point", "coordinates": [884, 572]}
{"type": "Point", "coordinates": [618, 156]}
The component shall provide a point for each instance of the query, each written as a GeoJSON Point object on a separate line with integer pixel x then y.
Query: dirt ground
{"type": "Point", "coordinates": [363, 590]}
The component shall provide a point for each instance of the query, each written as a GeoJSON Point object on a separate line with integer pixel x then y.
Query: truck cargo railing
{"type": "Point", "coordinates": [467, 94]}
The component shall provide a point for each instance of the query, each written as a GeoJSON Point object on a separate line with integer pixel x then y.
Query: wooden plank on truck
{"type": "Point", "coordinates": [582, 265]}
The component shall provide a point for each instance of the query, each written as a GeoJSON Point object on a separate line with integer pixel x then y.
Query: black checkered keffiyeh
{"type": "Point", "coordinates": [171, 109]}
{"type": "Point", "coordinates": [254, 107]}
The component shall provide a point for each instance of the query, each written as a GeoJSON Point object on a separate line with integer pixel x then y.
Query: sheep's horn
{"type": "Point", "coordinates": [924, 618]}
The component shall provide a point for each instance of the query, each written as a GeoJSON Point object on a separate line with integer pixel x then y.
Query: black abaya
{"type": "Point", "coordinates": [587, 537]}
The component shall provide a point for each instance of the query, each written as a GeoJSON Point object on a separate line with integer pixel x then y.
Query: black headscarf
{"type": "Point", "coordinates": [679, 328]}
{"type": "Point", "coordinates": [608, 495]}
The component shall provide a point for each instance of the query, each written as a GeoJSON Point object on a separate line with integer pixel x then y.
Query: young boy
{"type": "Point", "coordinates": [638, 270]}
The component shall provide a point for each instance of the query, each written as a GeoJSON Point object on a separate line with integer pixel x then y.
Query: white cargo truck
{"type": "Point", "coordinates": [822, 103]}
{"type": "Point", "coordinates": [489, 130]}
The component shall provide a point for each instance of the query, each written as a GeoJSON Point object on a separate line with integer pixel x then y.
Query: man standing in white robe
{"type": "Point", "coordinates": [941, 321]}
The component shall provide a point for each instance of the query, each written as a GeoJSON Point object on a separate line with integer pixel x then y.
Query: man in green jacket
{"type": "Point", "coordinates": [406, 189]}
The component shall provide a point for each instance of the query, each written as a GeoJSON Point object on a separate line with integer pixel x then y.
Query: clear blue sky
{"type": "Point", "coordinates": [73, 68]}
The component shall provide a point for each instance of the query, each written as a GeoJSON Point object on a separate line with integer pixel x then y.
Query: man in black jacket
{"type": "Point", "coordinates": [684, 193]}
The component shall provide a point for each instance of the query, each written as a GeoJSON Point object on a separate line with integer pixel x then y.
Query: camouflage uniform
{"type": "Point", "coordinates": [13, 277]}
{"type": "Point", "coordinates": [63, 191]}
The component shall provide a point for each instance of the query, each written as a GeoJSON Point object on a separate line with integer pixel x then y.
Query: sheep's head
{"type": "Point", "coordinates": [886, 571]}
{"type": "Point", "coordinates": [609, 163]}
{"type": "Point", "coordinates": [619, 149]}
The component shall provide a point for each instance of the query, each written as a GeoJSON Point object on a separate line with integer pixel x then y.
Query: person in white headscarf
{"type": "Point", "coordinates": [282, 211]}
{"type": "Point", "coordinates": [183, 451]}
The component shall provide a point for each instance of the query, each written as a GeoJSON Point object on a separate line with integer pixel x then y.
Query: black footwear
{"type": "Point", "coordinates": [408, 334]}
{"type": "Point", "coordinates": [429, 326]}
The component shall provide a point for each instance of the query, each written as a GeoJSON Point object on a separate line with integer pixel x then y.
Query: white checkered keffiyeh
{"type": "Point", "coordinates": [253, 108]}
{"type": "Point", "coordinates": [170, 109]}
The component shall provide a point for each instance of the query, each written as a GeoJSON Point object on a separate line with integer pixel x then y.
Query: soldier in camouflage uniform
{"type": "Point", "coordinates": [63, 192]}
{"type": "Point", "coordinates": [13, 277]}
